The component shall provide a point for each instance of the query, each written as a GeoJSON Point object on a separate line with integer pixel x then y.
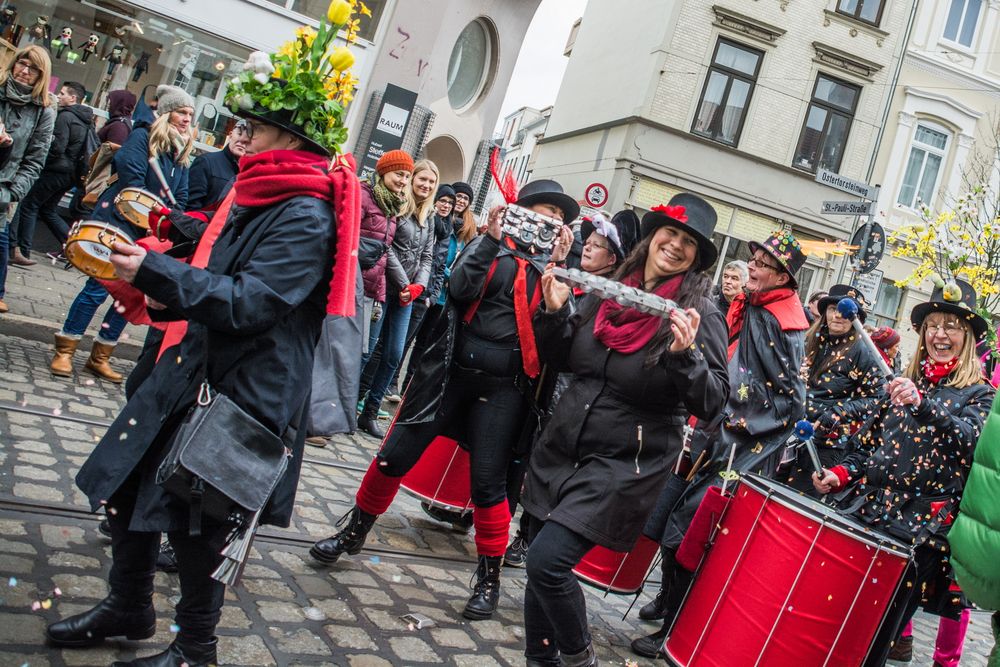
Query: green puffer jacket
{"type": "Point", "coordinates": [975, 537]}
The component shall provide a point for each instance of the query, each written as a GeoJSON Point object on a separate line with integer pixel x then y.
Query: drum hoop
{"type": "Point", "coordinates": [880, 542]}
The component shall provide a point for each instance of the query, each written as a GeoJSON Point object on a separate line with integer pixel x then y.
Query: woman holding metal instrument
{"type": "Point", "coordinates": [912, 464]}
{"type": "Point", "coordinates": [601, 461]}
{"type": "Point", "coordinates": [170, 141]}
{"type": "Point", "coordinates": [843, 385]}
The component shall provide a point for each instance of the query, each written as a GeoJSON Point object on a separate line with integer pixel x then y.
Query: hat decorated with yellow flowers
{"type": "Point", "coordinates": [306, 85]}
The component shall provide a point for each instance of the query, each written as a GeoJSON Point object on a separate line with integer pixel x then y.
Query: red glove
{"type": "Point", "coordinates": [159, 223]}
{"type": "Point", "coordinates": [415, 291]}
{"type": "Point", "coordinates": [842, 476]}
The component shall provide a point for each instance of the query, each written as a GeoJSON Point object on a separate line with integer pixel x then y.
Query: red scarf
{"type": "Point", "coordinates": [935, 371]}
{"type": "Point", "coordinates": [272, 177]}
{"type": "Point", "coordinates": [627, 330]}
{"type": "Point", "coordinates": [782, 302]}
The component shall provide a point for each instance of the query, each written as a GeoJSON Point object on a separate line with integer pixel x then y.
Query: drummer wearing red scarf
{"type": "Point", "coordinates": [474, 384]}
{"type": "Point", "coordinates": [907, 472]}
{"type": "Point", "coordinates": [766, 397]}
{"type": "Point", "coordinates": [609, 446]}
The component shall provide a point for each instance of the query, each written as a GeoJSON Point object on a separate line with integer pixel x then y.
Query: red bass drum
{"type": "Point", "coordinates": [441, 476]}
{"type": "Point", "coordinates": [617, 571]}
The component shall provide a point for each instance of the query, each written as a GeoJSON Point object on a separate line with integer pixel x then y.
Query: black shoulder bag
{"type": "Point", "coordinates": [222, 461]}
{"type": "Point", "coordinates": [370, 250]}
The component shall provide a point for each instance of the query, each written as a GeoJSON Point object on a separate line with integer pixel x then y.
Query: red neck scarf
{"type": "Point", "coordinates": [782, 302]}
{"type": "Point", "coordinates": [627, 330]}
{"type": "Point", "coordinates": [272, 177]}
{"type": "Point", "coordinates": [935, 371]}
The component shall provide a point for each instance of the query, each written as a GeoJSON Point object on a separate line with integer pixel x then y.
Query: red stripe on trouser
{"type": "Point", "coordinates": [377, 490]}
{"type": "Point", "coordinates": [492, 528]}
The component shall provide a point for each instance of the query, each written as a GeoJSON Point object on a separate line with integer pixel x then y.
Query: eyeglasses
{"type": "Point", "coordinates": [28, 65]}
{"type": "Point", "coordinates": [246, 128]}
{"type": "Point", "coordinates": [462, 197]}
{"type": "Point", "coordinates": [949, 328]}
{"type": "Point", "coordinates": [753, 261]}
{"type": "Point", "coordinates": [593, 244]}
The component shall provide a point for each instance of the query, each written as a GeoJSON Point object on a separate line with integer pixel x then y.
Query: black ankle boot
{"type": "Point", "coordinates": [114, 616]}
{"type": "Point", "coordinates": [181, 652]}
{"type": "Point", "coordinates": [585, 658]}
{"type": "Point", "coordinates": [657, 608]}
{"type": "Point", "coordinates": [650, 645]}
{"type": "Point", "coordinates": [349, 540]}
{"type": "Point", "coordinates": [486, 591]}
{"type": "Point", "coordinates": [368, 421]}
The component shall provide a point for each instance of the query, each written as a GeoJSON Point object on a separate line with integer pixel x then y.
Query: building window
{"type": "Point", "coordinates": [727, 91]}
{"type": "Point", "coordinates": [927, 154]}
{"type": "Point", "coordinates": [827, 125]}
{"type": "Point", "coordinates": [962, 20]}
{"type": "Point", "coordinates": [316, 9]}
{"type": "Point", "coordinates": [869, 11]}
{"type": "Point", "coordinates": [472, 60]}
{"type": "Point", "coordinates": [885, 312]}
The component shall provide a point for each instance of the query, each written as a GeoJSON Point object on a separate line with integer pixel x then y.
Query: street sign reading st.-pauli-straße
{"type": "Point", "coordinates": [848, 207]}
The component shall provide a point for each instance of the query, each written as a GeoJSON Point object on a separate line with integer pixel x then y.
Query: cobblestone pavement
{"type": "Point", "coordinates": [287, 611]}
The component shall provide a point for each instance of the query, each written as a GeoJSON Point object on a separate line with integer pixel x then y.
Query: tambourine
{"type": "Point", "coordinates": [135, 204]}
{"type": "Point", "coordinates": [630, 297]}
{"type": "Point", "coordinates": [88, 247]}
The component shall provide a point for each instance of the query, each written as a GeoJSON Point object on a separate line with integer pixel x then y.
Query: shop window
{"type": "Point", "coordinates": [923, 169]}
{"type": "Point", "coordinates": [963, 17]}
{"type": "Point", "coordinates": [869, 11]}
{"type": "Point", "coordinates": [885, 313]}
{"type": "Point", "coordinates": [727, 91]}
{"type": "Point", "coordinates": [827, 125]}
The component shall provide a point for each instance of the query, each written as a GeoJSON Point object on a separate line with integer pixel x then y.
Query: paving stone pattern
{"type": "Point", "coordinates": [288, 610]}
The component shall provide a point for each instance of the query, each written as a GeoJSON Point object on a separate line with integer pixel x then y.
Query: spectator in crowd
{"type": "Point", "coordinates": [812, 305]}
{"type": "Point", "coordinates": [29, 119]}
{"type": "Point", "coordinates": [212, 172]}
{"type": "Point", "coordinates": [734, 277]}
{"type": "Point", "coordinates": [121, 104]}
{"type": "Point", "coordinates": [65, 165]}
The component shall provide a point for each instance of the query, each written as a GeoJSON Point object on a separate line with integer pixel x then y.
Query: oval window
{"type": "Point", "coordinates": [469, 65]}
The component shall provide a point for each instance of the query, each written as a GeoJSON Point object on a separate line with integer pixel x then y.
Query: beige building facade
{"type": "Point", "coordinates": [740, 102]}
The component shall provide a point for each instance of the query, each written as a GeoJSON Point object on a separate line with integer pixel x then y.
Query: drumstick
{"type": "Point", "coordinates": [155, 166]}
{"type": "Point", "coordinates": [729, 468]}
{"type": "Point", "coordinates": [804, 432]}
{"type": "Point", "coordinates": [696, 466]}
{"type": "Point", "coordinates": [848, 309]}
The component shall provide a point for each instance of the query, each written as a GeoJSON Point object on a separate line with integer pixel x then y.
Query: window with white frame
{"type": "Point", "coordinates": [924, 167]}
{"type": "Point", "coordinates": [885, 312]}
{"type": "Point", "coordinates": [963, 17]}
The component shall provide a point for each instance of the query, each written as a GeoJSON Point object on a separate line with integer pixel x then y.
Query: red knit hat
{"type": "Point", "coordinates": [885, 337]}
{"type": "Point", "coordinates": [396, 160]}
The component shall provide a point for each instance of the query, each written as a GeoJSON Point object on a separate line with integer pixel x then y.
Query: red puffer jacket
{"type": "Point", "coordinates": [374, 224]}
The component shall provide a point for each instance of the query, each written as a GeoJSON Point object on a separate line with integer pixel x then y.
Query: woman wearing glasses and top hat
{"type": "Point", "coordinates": [911, 466]}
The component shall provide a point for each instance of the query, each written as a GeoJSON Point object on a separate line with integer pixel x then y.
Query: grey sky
{"type": "Point", "coordinates": [540, 66]}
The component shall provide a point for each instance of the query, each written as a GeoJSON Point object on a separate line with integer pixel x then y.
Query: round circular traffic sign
{"type": "Point", "coordinates": [596, 195]}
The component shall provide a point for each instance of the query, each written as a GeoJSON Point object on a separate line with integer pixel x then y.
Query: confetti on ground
{"type": "Point", "coordinates": [12, 581]}
{"type": "Point", "coordinates": [56, 412]}
{"type": "Point", "coordinates": [375, 559]}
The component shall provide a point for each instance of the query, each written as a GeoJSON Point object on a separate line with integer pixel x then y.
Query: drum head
{"type": "Point", "coordinates": [810, 506]}
{"type": "Point", "coordinates": [88, 248]}
{"type": "Point", "coordinates": [135, 205]}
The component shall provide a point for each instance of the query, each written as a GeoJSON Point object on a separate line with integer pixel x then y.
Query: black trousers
{"type": "Point", "coordinates": [133, 566]}
{"type": "Point", "coordinates": [42, 201]}
{"type": "Point", "coordinates": [555, 612]}
{"type": "Point", "coordinates": [484, 412]}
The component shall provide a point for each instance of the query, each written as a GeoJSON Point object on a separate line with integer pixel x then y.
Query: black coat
{"type": "Point", "coordinates": [68, 139]}
{"type": "Point", "coordinates": [909, 460]}
{"type": "Point", "coordinates": [257, 311]}
{"type": "Point", "coordinates": [589, 471]}
{"type": "Point", "coordinates": [208, 178]}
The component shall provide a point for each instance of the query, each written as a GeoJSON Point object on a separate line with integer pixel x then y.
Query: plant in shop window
{"type": "Point", "coordinates": [307, 82]}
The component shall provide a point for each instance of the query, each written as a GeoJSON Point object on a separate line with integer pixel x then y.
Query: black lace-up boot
{"type": "Point", "coordinates": [486, 590]}
{"type": "Point", "coordinates": [349, 540]}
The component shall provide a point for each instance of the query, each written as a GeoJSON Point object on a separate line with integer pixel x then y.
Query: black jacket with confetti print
{"type": "Point", "coordinates": [912, 464]}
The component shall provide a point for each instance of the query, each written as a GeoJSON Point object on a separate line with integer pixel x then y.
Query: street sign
{"type": "Point", "coordinates": [848, 207]}
{"type": "Point", "coordinates": [870, 239]}
{"type": "Point", "coordinates": [844, 184]}
{"type": "Point", "coordinates": [596, 195]}
{"type": "Point", "coordinates": [869, 284]}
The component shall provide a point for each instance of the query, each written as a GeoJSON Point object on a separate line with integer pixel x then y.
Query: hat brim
{"type": "Point", "coordinates": [282, 120]}
{"type": "Point", "coordinates": [922, 310]}
{"type": "Point", "coordinates": [566, 204]}
{"type": "Point", "coordinates": [707, 252]}
{"type": "Point", "coordinates": [828, 301]}
{"type": "Point", "coordinates": [754, 247]}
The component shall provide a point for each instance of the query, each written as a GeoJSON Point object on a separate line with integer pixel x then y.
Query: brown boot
{"type": "Point", "coordinates": [62, 362]}
{"type": "Point", "coordinates": [3, 307]}
{"type": "Point", "coordinates": [98, 363]}
{"type": "Point", "coordinates": [18, 259]}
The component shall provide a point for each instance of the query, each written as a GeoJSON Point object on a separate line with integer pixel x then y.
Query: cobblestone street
{"type": "Point", "coordinates": [288, 610]}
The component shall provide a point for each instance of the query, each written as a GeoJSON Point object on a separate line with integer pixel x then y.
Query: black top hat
{"type": "Point", "coordinates": [838, 292]}
{"type": "Point", "coordinates": [629, 229]}
{"type": "Point", "coordinates": [691, 214]}
{"type": "Point", "coordinates": [282, 118]}
{"type": "Point", "coordinates": [957, 297]}
{"type": "Point", "coordinates": [588, 227]}
{"type": "Point", "coordinates": [783, 247]}
{"type": "Point", "coordinates": [548, 192]}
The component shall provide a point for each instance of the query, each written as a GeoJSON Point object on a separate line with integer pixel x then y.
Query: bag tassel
{"type": "Point", "coordinates": [236, 550]}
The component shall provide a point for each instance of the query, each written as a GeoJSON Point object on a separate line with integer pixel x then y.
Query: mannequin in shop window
{"type": "Point", "coordinates": [8, 23]}
{"type": "Point", "coordinates": [115, 58]}
{"type": "Point", "coordinates": [90, 48]}
{"type": "Point", "coordinates": [41, 31]}
{"type": "Point", "coordinates": [141, 66]}
{"type": "Point", "coordinates": [63, 42]}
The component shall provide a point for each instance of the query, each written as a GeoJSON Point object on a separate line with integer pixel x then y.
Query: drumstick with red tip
{"type": "Point", "coordinates": [154, 164]}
